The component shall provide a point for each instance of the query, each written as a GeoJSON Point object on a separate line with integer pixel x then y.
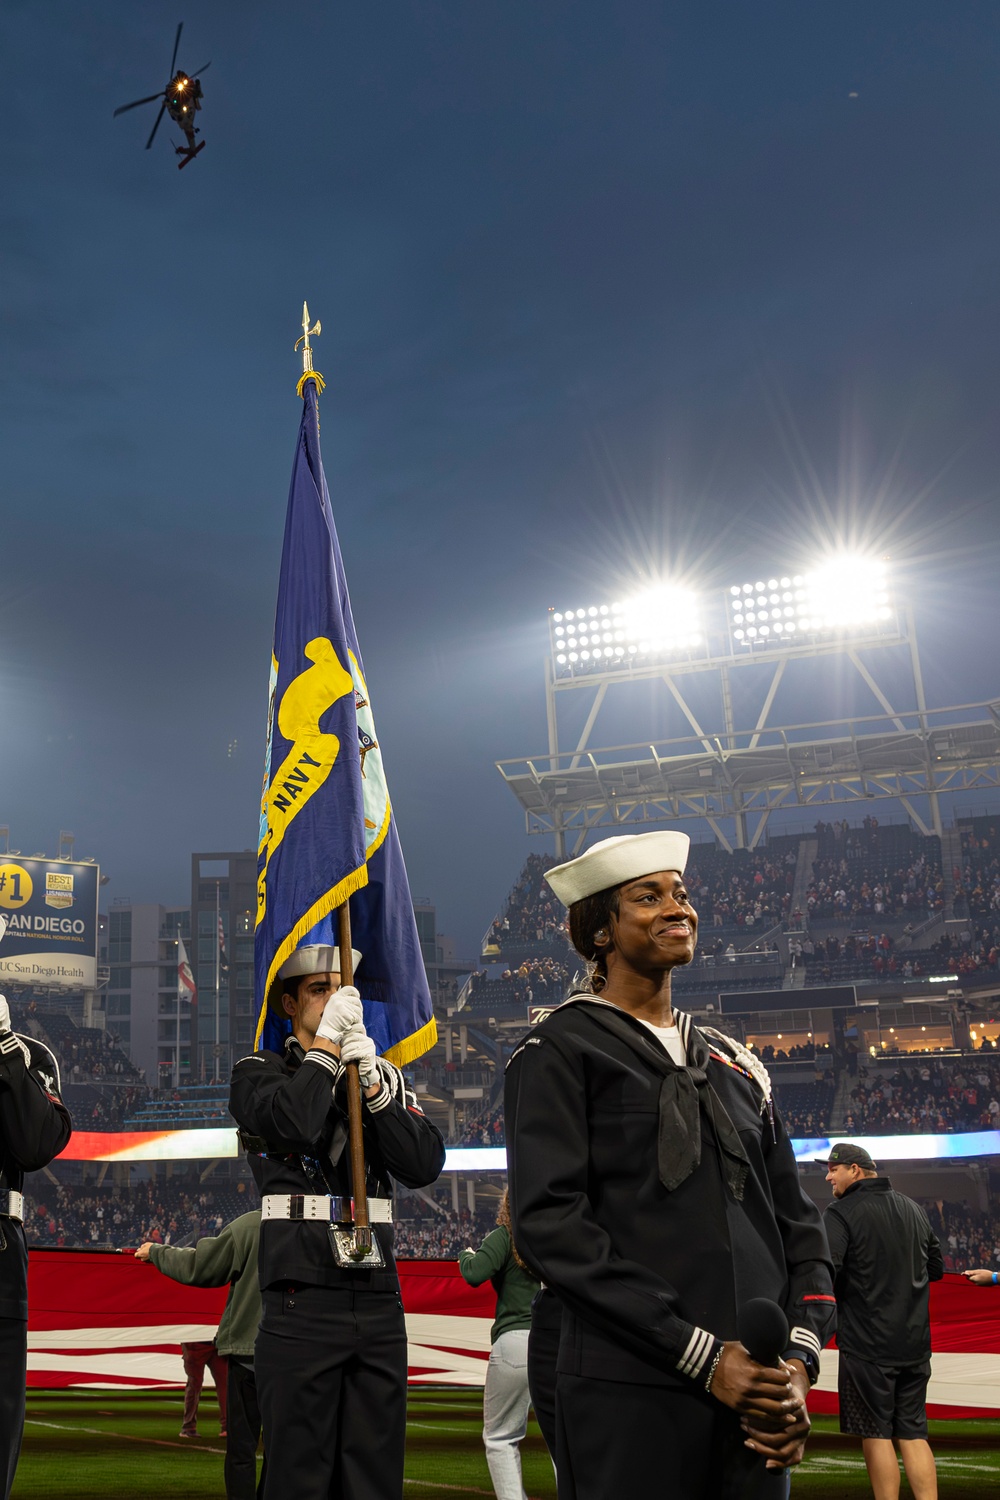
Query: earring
{"type": "Point", "coordinates": [600, 936]}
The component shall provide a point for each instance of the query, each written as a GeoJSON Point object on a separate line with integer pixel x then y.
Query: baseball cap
{"type": "Point", "coordinates": [846, 1154]}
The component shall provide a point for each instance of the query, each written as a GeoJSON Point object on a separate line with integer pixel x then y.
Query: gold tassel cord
{"type": "Point", "coordinates": [310, 375]}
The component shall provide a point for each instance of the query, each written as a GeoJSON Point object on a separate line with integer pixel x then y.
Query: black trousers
{"type": "Point", "coordinates": [543, 1349]}
{"type": "Point", "coordinates": [619, 1439]}
{"type": "Point", "coordinates": [242, 1432]}
{"type": "Point", "coordinates": [331, 1382]}
{"type": "Point", "coordinates": [13, 1380]}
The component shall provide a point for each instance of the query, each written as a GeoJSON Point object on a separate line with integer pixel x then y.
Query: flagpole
{"type": "Point", "coordinates": [362, 1231]}
{"type": "Point", "coordinates": [215, 1068]}
{"type": "Point", "coordinates": [177, 1058]}
{"type": "Point", "coordinates": [362, 1228]}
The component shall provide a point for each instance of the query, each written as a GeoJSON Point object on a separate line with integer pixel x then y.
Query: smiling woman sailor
{"type": "Point", "coordinates": [653, 1188]}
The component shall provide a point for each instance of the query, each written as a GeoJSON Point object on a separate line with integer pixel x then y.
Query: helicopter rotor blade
{"type": "Point", "coordinates": [157, 125]}
{"type": "Point", "coordinates": [177, 42]}
{"type": "Point", "coordinates": [201, 70]}
{"type": "Point", "coordinates": [136, 102]}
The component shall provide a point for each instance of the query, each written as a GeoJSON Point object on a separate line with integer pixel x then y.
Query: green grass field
{"type": "Point", "coordinates": [102, 1446]}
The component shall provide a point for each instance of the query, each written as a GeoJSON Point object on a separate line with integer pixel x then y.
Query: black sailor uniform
{"type": "Point", "coordinates": [330, 1356]}
{"type": "Point", "coordinates": [34, 1127]}
{"type": "Point", "coordinates": [651, 1277]}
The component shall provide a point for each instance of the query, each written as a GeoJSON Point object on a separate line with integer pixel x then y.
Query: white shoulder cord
{"type": "Point", "coordinates": [746, 1059]}
{"type": "Point", "coordinates": [392, 1077]}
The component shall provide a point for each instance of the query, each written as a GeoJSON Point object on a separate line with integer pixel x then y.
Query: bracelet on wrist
{"type": "Point", "coordinates": [996, 1277]}
{"type": "Point", "coordinates": [713, 1367]}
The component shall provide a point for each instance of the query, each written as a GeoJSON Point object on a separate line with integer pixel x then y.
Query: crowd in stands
{"type": "Point", "coordinates": [745, 890]}
{"type": "Point", "coordinates": [102, 1108]}
{"type": "Point", "coordinates": [440, 1236]}
{"type": "Point", "coordinates": [533, 915]}
{"type": "Point", "coordinates": [84, 1053]}
{"type": "Point", "coordinates": [928, 1097]}
{"type": "Point", "coordinates": [175, 1212]}
{"type": "Point", "coordinates": [805, 1107]}
{"type": "Point", "coordinates": [977, 882]}
{"type": "Point", "coordinates": [969, 1238]}
{"type": "Point", "coordinates": [875, 958]}
{"type": "Point", "coordinates": [487, 1130]}
{"type": "Point", "coordinates": [535, 981]}
{"type": "Point", "coordinates": [975, 949]}
{"type": "Point", "coordinates": [854, 894]}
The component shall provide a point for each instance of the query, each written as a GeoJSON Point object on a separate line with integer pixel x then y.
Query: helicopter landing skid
{"type": "Point", "coordinates": [189, 153]}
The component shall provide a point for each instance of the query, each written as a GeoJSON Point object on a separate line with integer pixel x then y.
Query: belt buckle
{"type": "Point", "coordinates": [296, 1207]}
{"type": "Point", "coordinates": [348, 1256]}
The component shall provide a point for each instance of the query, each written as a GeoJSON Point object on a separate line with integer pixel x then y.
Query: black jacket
{"type": "Point", "coordinates": [297, 1106]}
{"type": "Point", "coordinates": [885, 1253]}
{"type": "Point", "coordinates": [651, 1279]}
{"type": "Point", "coordinates": [34, 1127]}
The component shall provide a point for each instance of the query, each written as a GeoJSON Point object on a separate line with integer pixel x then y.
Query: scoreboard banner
{"type": "Point", "coordinates": [50, 906]}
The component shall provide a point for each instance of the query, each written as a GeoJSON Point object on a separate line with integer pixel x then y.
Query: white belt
{"type": "Point", "coordinates": [307, 1206]}
{"type": "Point", "coordinates": [11, 1205]}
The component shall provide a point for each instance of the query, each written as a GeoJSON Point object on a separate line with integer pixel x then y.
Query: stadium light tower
{"type": "Point", "coordinates": [791, 626]}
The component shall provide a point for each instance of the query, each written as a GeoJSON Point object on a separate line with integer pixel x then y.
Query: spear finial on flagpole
{"type": "Point", "coordinates": [308, 373]}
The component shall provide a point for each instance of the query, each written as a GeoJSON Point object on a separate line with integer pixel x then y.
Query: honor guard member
{"type": "Point", "coordinates": [654, 1190]}
{"type": "Point", "coordinates": [330, 1357]}
{"type": "Point", "coordinates": [34, 1127]}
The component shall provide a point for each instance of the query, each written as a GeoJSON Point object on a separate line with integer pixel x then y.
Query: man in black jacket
{"type": "Point", "coordinates": [654, 1189]}
{"type": "Point", "coordinates": [34, 1127]}
{"type": "Point", "coordinates": [885, 1254]}
{"type": "Point", "coordinates": [330, 1357]}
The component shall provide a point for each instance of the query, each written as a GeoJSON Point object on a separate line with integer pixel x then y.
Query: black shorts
{"type": "Point", "coordinates": [883, 1401]}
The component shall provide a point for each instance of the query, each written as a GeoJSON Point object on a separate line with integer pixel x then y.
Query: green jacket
{"type": "Point", "coordinates": [230, 1256]}
{"type": "Point", "coordinates": [494, 1261]}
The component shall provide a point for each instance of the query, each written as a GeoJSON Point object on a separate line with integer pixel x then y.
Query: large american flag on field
{"type": "Point", "coordinates": [106, 1320]}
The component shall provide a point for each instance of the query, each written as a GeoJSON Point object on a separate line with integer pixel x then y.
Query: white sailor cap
{"type": "Point", "coordinates": [612, 862]}
{"type": "Point", "coordinates": [313, 958]}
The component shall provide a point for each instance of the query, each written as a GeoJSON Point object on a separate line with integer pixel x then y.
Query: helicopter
{"type": "Point", "coordinates": [181, 99]}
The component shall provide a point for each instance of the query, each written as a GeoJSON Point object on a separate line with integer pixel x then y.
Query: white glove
{"type": "Point", "coordinates": [343, 1010]}
{"type": "Point", "coordinates": [4, 1014]}
{"type": "Point", "coordinates": [358, 1047]}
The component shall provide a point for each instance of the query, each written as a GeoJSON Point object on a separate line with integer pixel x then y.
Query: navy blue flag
{"type": "Point", "coordinates": [327, 831]}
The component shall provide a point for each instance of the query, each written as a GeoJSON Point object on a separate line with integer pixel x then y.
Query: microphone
{"type": "Point", "coordinates": [763, 1330]}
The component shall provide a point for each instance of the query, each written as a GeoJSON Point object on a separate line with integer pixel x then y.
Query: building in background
{"type": "Point", "coordinates": [142, 1007]}
{"type": "Point", "coordinates": [223, 901]}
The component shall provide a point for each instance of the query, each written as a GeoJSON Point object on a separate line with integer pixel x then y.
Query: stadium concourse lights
{"type": "Point", "coordinates": [841, 595]}
{"type": "Point", "coordinates": [659, 622]}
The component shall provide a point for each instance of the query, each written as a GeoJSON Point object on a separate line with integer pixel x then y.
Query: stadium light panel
{"type": "Point", "coordinates": [662, 621]}
{"type": "Point", "coordinates": [844, 593]}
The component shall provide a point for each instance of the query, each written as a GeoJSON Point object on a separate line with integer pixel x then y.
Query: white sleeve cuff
{"type": "Point", "coordinates": [698, 1353]}
{"type": "Point", "coordinates": [378, 1101]}
{"type": "Point", "coordinates": [326, 1060]}
{"type": "Point", "coordinates": [804, 1338]}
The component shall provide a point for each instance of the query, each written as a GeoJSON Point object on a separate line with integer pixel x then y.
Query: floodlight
{"type": "Point", "coordinates": [659, 622]}
{"type": "Point", "coordinates": [844, 593]}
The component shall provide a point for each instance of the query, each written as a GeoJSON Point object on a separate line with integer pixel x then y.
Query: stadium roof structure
{"type": "Point", "coordinates": [733, 778]}
{"type": "Point", "coordinates": [810, 766]}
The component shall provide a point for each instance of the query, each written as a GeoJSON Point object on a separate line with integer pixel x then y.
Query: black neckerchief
{"type": "Point", "coordinates": [683, 1092]}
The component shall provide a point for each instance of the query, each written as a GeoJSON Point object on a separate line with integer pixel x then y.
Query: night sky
{"type": "Point", "coordinates": [610, 292]}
